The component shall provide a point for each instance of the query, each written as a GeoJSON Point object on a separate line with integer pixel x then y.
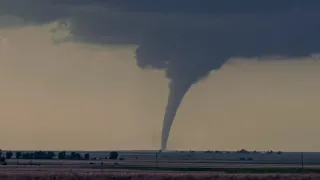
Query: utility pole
{"type": "Point", "coordinates": [157, 159]}
{"type": "Point", "coordinates": [302, 161]}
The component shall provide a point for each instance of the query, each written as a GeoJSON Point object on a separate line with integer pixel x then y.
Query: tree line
{"type": "Point", "coordinates": [62, 155]}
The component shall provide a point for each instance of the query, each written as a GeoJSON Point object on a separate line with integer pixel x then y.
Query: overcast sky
{"type": "Point", "coordinates": [90, 93]}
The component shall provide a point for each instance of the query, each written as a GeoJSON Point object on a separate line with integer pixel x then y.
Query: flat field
{"type": "Point", "coordinates": [56, 173]}
{"type": "Point", "coordinates": [172, 165]}
{"type": "Point", "coordinates": [205, 164]}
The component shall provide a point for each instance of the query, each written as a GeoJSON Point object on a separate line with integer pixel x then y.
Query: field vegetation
{"type": "Point", "coordinates": [130, 175]}
{"type": "Point", "coordinates": [48, 165]}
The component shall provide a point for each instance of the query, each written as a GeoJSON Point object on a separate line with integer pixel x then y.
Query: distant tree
{"type": "Point", "coordinates": [51, 154]}
{"type": "Point", "coordinates": [279, 152]}
{"type": "Point", "coordinates": [62, 155]}
{"type": "Point", "coordinates": [9, 154]}
{"type": "Point", "coordinates": [269, 152]}
{"type": "Point", "coordinates": [28, 155]}
{"type": "Point", "coordinates": [18, 155]}
{"type": "Point", "coordinates": [2, 160]}
{"type": "Point", "coordinates": [87, 156]}
{"type": "Point", "coordinates": [113, 155]}
{"type": "Point", "coordinates": [79, 157]}
{"type": "Point", "coordinates": [243, 151]}
{"type": "Point", "coordinates": [43, 155]}
{"type": "Point", "coordinates": [39, 155]}
{"type": "Point", "coordinates": [75, 156]}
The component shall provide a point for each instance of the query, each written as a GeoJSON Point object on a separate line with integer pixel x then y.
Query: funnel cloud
{"type": "Point", "coordinates": [187, 40]}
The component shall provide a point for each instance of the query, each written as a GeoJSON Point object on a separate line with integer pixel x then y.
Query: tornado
{"type": "Point", "coordinates": [177, 91]}
{"type": "Point", "coordinates": [185, 40]}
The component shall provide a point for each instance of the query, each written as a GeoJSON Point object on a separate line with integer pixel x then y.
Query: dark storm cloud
{"type": "Point", "coordinates": [188, 39]}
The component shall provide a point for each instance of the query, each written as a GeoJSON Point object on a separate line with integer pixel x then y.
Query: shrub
{"type": "Point", "coordinates": [62, 155]}
{"type": "Point", "coordinates": [9, 155]}
{"type": "Point", "coordinates": [87, 156]}
{"type": "Point", "coordinates": [113, 155]}
{"type": "Point", "coordinates": [3, 160]}
{"type": "Point", "coordinates": [18, 155]}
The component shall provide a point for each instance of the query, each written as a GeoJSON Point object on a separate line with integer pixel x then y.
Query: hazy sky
{"type": "Point", "coordinates": [93, 97]}
{"type": "Point", "coordinates": [72, 96]}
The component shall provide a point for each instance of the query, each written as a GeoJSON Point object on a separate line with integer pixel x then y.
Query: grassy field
{"type": "Point", "coordinates": [154, 164]}
{"type": "Point", "coordinates": [26, 173]}
{"type": "Point", "coordinates": [172, 165]}
{"type": "Point", "coordinates": [94, 170]}
{"type": "Point", "coordinates": [181, 166]}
